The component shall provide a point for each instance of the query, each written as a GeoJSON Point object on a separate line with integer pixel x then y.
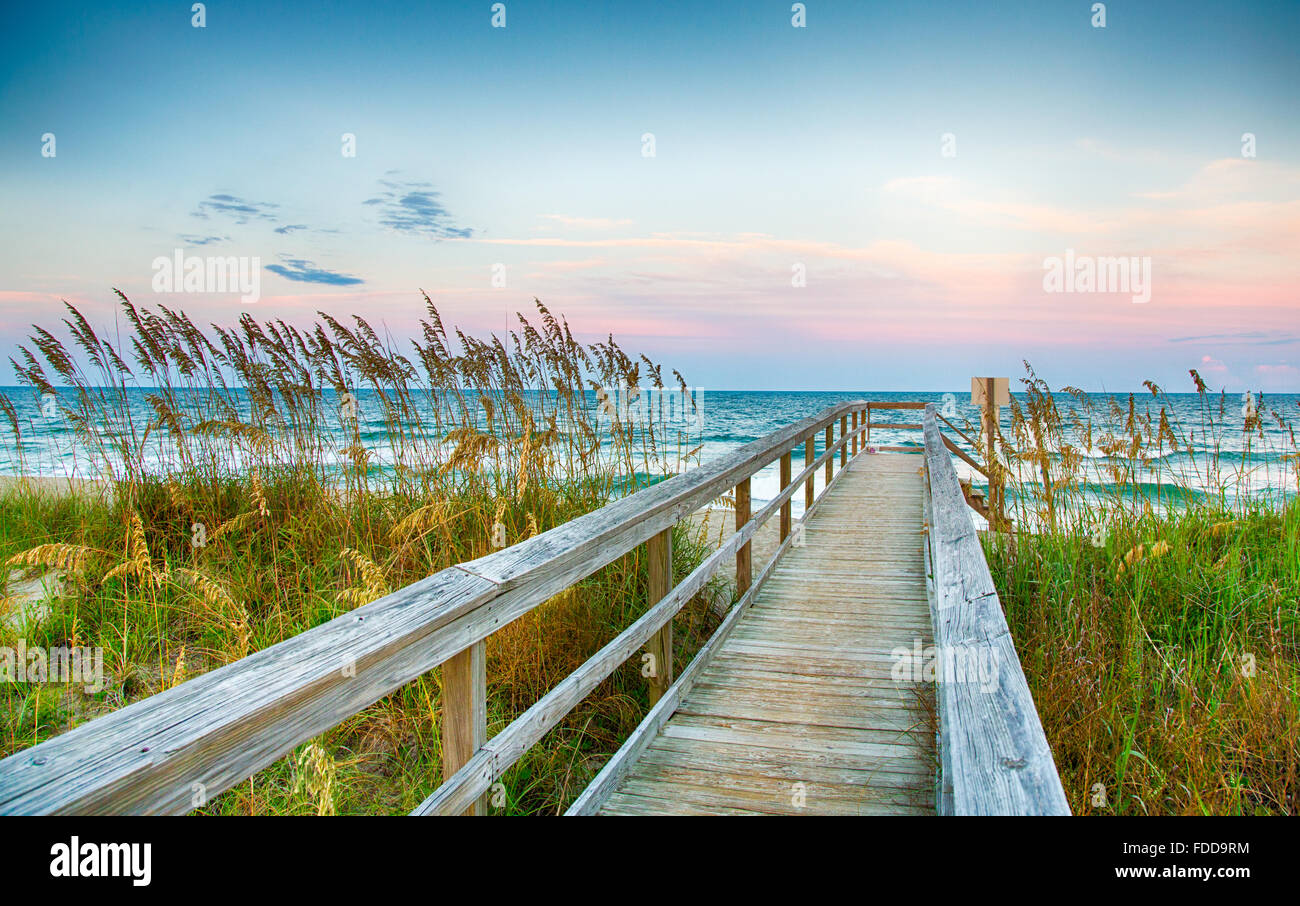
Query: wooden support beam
{"type": "Point", "coordinates": [968, 460]}
{"type": "Point", "coordinates": [830, 460]}
{"type": "Point", "coordinates": [660, 551]}
{"type": "Point", "coordinates": [744, 558]}
{"type": "Point", "coordinates": [855, 433]}
{"type": "Point", "coordinates": [464, 712]}
{"type": "Point", "coordinates": [991, 394]}
{"type": "Point", "coordinates": [844, 432]}
{"type": "Point", "coordinates": [785, 507]}
{"type": "Point", "coordinates": [990, 458]}
{"type": "Point", "coordinates": [809, 456]}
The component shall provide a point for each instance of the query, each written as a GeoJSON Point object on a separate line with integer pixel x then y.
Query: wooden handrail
{"type": "Point", "coordinates": [994, 757]}
{"type": "Point", "coordinates": [504, 749]}
{"type": "Point", "coordinates": [890, 404]}
{"type": "Point", "coordinates": [964, 456]}
{"type": "Point", "coordinates": [176, 749]}
{"type": "Point", "coordinates": [589, 801]}
{"type": "Point", "coordinates": [964, 435]}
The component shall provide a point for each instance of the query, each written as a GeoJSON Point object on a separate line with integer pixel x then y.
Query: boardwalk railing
{"type": "Point", "coordinates": [175, 750]}
{"type": "Point", "coordinates": [171, 752]}
{"type": "Point", "coordinates": [994, 756]}
{"type": "Point", "coordinates": [891, 405]}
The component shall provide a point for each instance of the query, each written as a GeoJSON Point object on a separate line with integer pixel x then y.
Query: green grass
{"type": "Point", "coordinates": [1160, 637]}
{"type": "Point", "coordinates": [289, 573]}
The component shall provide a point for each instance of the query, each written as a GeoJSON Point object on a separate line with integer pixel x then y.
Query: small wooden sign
{"type": "Point", "coordinates": [1001, 391]}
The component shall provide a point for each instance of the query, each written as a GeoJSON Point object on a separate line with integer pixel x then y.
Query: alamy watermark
{"type": "Point", "coordinates": [958, 664]}
{"type": "Point", "coordinates": [75, 859]}
{"type": "Point", "coordinates": [1085, 274]}
{"type": "Point", "coordinates": [214, 274]}
{"type": "Point", "coordinates": [680, 406]}
{"type": "Point", "coordinates": [62, 664]}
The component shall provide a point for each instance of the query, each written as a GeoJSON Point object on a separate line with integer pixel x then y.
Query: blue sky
{"type": "Point", "coordinates": [775, 147]}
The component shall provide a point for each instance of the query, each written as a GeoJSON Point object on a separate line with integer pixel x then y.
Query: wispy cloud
{"type": "Point", "coordinates": [290, 228]}
{"type": "Point", "coordinates": [1250, 337]}
{"type": "Point", "coordinates": [234, 207]}
{"type": "Point", "coordinates": [414, 207]}
{"type": "Point", "coordinates": [203, 240]}
{"type": "Point", "coordinates": [301, 271]}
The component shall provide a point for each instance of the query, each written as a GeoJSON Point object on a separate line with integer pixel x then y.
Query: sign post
{"type": "Point", "coordinates": [990, 394]}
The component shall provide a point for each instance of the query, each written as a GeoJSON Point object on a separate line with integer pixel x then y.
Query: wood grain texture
{"type": "Point", "coordinates": [504, 749]}
{"type": "Point", "coordinates": [963, 456]}
{"type": "Point", "coordinates": [744, 556]}
{"type": "Point", "coordinates": [464, 712]}
{"type": "Point", "coordinates": [809, 454]}
{"type": "Point", "coordinates": [797, 708]}
{"type": "Point", "coordinates": [830, 462]}
{"type": "Point", "coordinates": [785, 507]}
{"type": "Point", "coordinates": [995, 757]}
{"type": "Point", "coordinates": [659, 551]}
{"type": "Point", "coordinates": [627, 756]}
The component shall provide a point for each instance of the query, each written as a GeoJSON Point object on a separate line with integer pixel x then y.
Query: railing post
{"type": "Point", "coordinates": [855, 432]}
{"type": "Point", "coordinates": [844, 432]}
{"type": "Point", "coordinates": [464, 712]}
{"type": "Point", "coordinates": [785, 507]}
{"type": "Point", "coordinates": [991, 462]}
{"type": "Point", "coordinates": [867, 439]}
{"type": "Point", "coordinates": [809, 457]}
{"type": "Point", "coordinates": [830, 460]}
{"type": "Point", "coordinates": [660, 647]}
{"type": "Point", "coordinates": [744, 561]}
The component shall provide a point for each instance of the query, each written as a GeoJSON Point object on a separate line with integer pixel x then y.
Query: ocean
{"type": "Point", "coordinates": [1252, 465]}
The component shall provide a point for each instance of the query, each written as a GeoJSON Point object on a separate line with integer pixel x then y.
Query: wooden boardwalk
{"type": "Point", "coordinates": [798, 712]}
{"type": "Point", "coordinates": [790, 707]}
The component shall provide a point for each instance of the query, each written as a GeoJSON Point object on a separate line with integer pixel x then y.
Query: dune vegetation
{"type": "Point", "coordinates": [1159, 628]}
{"type": "Point", "coordinates": [278, 478]}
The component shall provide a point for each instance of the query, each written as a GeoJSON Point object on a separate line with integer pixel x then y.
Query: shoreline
{"type": "Point", "coordinates": [53, 485]}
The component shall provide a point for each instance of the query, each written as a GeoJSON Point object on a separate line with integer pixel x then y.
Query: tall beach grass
{"type": "Point", "coordinates": [280, 477]}
{"type": "Point", "coordinates": [1159, 627]}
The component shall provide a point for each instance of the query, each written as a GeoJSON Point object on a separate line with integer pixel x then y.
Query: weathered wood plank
{"type": "Point", "coordinates": [659, 550]}
{"type": "Point", "coordinates": [800, 684]}
{"type": "Point", "coordinates": [996, 758]}
{"type": "Point", "coordinates": [209, 733]}
{"type": "Point", "coordinates": [504, 749]}
{"type": "Point", "coordinates": [464, 712]}
{"type": "Point", "coordinates": [733, 758]}
{"type": "Point", "coordinates": [785, 507]}
{"type": "Point", "coordinates": [744, 556]}
{"type": "Point", "coordinates": [598, 792]}
{"type": "Point", "coordinates": [830, 463]}
{"type": "Point", "coordinates": [809, 454]}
